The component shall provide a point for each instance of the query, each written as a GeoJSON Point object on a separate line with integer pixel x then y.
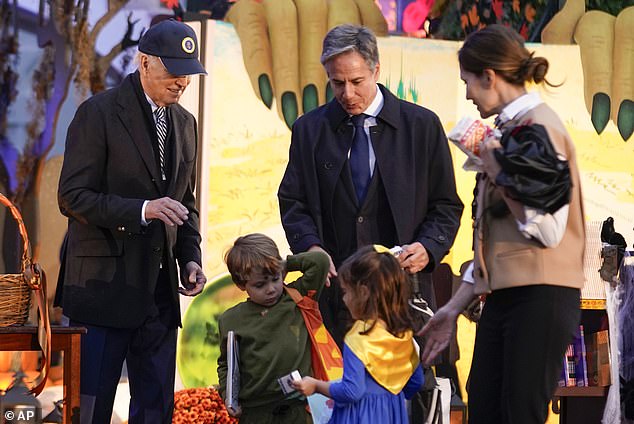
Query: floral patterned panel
{"type": "Point", "coordinates": [461, 17]}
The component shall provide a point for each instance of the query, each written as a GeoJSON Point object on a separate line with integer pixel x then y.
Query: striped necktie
{"type": "Point", "coordinates": [161, 133]}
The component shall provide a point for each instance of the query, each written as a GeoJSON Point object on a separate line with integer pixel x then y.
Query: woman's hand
{"type": "Point", "coordinates": [442, 326]}
{"type": "Point", "coordinates": [490, 165]}
{"type": "Point", "coordinates": [437, 332]}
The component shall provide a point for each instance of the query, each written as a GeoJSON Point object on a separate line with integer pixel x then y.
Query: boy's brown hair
{"type": "Point", "coordinates": [252, 252]}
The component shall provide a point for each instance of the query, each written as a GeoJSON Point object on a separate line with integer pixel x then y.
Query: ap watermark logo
{"type": "Point", "coordinates": [22, 415]}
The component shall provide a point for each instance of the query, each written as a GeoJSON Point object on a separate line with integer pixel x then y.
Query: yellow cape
{"type": "Point", "coordinates": [390, 360]}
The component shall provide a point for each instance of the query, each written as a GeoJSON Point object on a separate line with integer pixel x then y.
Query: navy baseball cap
{"type": "Point", "coordinates": [175, 43]}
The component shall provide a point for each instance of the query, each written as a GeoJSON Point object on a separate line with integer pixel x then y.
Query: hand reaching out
{"type": "Point", "coordinates": [437, 332]}
{"type": "Point", "coordinates": [306, 386]}
{"type": "Point", "coordinates": [309, 385]}
{"type": "Point", "coordinates": [281, 46]}
{"type": "Point", "coordinates": [441, 327]}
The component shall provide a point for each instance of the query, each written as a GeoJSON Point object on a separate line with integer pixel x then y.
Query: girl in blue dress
{"type": "Point", "coordinates": [380, 358]}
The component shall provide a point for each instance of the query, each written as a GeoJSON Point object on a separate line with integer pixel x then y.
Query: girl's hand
{"type": "Point", "coordinates": [306, 386]}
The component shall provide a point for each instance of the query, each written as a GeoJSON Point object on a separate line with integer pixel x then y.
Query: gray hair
{"type": "Point", "coordinates": [139, 55]}
{"type": "Point", "coordinates": [347, 38]}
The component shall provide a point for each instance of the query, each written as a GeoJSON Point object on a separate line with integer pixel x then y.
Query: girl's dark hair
{"type": "Point", "coordinates": [388, 287]}
{"type": "Point", "coordinates": [501, 49]}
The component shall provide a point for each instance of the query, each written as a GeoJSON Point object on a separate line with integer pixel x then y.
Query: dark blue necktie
{"type": "Point", "coordinates": [360, 157]}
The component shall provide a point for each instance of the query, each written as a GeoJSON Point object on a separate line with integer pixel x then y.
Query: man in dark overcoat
{"type": "Point", "coordinates": [127, 188]}
{"type": "Point", "coordinates": [401, 191]}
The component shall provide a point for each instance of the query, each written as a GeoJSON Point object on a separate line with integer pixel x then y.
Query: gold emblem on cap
{"type": "Point", "coordinates": [188, 45]}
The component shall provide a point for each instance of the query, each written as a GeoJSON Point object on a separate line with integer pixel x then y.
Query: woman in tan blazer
{"type": "Point", "coordinates": [528, 250]}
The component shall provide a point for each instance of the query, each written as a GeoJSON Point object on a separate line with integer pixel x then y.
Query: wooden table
{"type": "Point", "coordinates": [581, 404]}
{"type": "Point", "coordinates": [65, 339]}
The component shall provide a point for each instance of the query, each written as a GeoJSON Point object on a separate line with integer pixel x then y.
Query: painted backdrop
{"type": "Point", "coordinates": [245, 148]}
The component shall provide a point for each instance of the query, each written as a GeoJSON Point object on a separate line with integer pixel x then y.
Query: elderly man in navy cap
{"type": "Point", "coordinates": [127, 188]}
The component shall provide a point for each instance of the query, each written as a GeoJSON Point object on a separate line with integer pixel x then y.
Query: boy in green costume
{"type": "Point", "coordinates": [272, 337]}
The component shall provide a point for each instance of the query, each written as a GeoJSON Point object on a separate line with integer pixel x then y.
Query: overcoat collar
{"type": "Point", "coordinates": [389, 114]}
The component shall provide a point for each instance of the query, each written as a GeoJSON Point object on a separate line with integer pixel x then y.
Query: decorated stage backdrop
{"type": "Point", "coordinates": [245, 148]}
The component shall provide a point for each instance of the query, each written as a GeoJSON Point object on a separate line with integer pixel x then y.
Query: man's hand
{"type": "Point", "coordinates": [170, 211]}
{"type": "Point", "coordinates": [414, 257]}
{"type": "Point", "coordinates": [281, 46]}
{"type": "Point", "coordinates": [192, 279]}
{"type": "Point", "coordinates": [332, 271]}
{"type": "Point", "coordinates": [437, 333]}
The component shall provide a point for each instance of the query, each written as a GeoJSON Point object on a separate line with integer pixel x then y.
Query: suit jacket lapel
{"type": "Point", "coordinates": [133, 119]}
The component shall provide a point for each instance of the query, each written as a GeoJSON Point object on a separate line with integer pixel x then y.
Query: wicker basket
{"type": "Point", "coordinates": [15, 289]}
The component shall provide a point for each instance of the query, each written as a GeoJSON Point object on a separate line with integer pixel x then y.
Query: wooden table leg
{"type": "Point", "coordinates": [72, 362]}
{"type": "Point", "coordinates": [64, 339]}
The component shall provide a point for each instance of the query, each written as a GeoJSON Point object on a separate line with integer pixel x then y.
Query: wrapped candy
{"type": "Point", "coordinates": [468, 135]}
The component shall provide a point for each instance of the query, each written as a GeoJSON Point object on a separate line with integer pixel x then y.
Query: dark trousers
{"type": "Point", "coordinates": [285, 412]}
{"type": "Point", "coordinates": [150, 355]}
{"type": "Point", "coordinates": [520, 342]}
{"type": "Point", "coordinates": [335, 314]}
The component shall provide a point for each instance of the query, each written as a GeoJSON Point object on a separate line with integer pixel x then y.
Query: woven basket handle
{"type": "Point", "coordinates": [36, 279]}
{"type": "Point", "coordinates": [26, 250]}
